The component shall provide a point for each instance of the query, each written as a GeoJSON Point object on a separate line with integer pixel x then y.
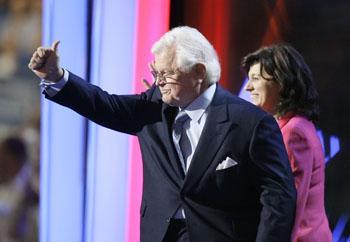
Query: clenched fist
{"type": "Point", "coordinates": [45, 63]}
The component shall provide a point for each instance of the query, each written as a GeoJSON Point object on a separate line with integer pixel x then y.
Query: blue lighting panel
{"type": "Point", "coordinates": [62, 132]}
{"type": "Point", "coordinates": [108, 151]}
{"type": "Point", "coordinates": [339, 228]}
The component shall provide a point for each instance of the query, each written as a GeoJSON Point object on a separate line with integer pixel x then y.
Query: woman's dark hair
{"type": "Point", "coordinates": [288, 68]}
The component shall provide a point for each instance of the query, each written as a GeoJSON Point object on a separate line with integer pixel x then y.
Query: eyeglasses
{"type": "Point", "coordinates": [162, 77]}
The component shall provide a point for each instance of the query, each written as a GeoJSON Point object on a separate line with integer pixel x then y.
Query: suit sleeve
{"type": "Point", "coordinates": [273, 177]}
{"type": "Point", "coordinates": [301, 157]}
{"type": "Point", "coordinates": [123, 113]}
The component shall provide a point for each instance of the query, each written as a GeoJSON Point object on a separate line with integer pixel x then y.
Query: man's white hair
{"type": "Point", "coordinates": [190, 47]}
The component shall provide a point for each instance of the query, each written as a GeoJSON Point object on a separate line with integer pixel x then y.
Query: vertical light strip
{"type": "Point", "coordinates": [108, 151]}
{"type": "Point", "coordinates": [62, 132]}
{"type": "Point", "coordinates": [339, 228]}
{"type": "Point", "coordinates": [92, 127]}
{"type": "Point", "coordinates": [152, 21]}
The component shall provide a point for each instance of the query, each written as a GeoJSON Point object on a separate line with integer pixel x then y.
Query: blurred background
{"type": "Point", "coordinates": [20, 32]}
{"type": "Point", "coordinates": [107, 42]}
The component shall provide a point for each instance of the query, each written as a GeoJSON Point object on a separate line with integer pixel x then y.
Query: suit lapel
{"type": "Point", "coordinates": [173, 166]}
{"type": "Point", "coordinates": [216, 128]}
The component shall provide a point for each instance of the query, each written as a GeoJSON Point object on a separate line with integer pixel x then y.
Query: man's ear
{"type": "Point", "coordinates": [200, 71]}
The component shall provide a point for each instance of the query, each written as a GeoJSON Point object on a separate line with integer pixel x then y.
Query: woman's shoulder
{"type": "Point", "coordinates": [299, 123]}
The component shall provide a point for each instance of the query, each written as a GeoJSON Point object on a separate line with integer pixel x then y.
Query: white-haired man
{"type": "Point", "coordinates": [215, 167]}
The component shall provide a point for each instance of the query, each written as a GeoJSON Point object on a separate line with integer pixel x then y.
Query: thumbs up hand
{"type": "Point", "coordinates": [45, 63]}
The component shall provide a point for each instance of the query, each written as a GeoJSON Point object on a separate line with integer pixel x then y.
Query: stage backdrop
{"type": "Point", "coordinates": [319, 29]}
{"type": "Point", "coordinates": [91, 177]}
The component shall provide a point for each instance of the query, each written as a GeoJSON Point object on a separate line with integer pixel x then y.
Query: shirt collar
{"type": "Point", "coordinates": [196, 108]}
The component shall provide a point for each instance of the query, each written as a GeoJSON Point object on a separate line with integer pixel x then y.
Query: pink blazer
{"type": "Point", "coordinates": [307, 161]}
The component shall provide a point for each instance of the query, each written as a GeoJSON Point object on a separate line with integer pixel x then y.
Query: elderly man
{"type": "Point", "coordinates": [215, 168]}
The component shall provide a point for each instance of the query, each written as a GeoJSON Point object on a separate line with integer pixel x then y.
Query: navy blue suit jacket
{"type": "Point", "coordinates": [251, 201]}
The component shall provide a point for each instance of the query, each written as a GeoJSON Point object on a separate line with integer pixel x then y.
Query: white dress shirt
{"type": "Point", "coordinates": [52, 88]}
{"type": "Point", "coordinates": [198, 112]}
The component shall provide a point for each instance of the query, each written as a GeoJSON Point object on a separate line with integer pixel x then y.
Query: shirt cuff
{"type": "Point", "coordinates": [52, 88]}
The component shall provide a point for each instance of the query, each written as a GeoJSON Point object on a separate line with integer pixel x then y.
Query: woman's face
{"type": "Point", "coordinates": [263, 90]}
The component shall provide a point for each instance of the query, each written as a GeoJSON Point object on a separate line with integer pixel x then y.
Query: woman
{"type": "Point", "coordinates": [281, 83]}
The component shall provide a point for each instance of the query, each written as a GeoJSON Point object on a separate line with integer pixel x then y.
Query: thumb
{"type": "Point", "coordinates": [146, 84]}
{"type": "Point", "coordinates": [54, 46]}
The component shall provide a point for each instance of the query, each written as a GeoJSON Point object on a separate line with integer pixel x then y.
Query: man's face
{"type": "Point", "coordinates": [177, 88]}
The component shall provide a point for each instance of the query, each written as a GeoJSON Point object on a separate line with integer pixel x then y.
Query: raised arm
{"type": "Point", "coordinates": [124, 113]}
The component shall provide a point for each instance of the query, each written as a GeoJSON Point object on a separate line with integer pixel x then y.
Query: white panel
{"type": "Point", "coordinates": [62, 133]}
{"type": "Point", "coordinates": [108, 151]}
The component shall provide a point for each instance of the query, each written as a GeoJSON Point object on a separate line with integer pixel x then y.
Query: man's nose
{"type": "Point", "coordinates": [159, 82]}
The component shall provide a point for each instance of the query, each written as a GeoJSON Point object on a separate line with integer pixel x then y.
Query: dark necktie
{"type": "Point", "coordinates": [181, 141]}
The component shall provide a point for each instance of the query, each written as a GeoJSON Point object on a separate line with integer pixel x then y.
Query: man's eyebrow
{"type": "Point", "coordinates": [164, 71]}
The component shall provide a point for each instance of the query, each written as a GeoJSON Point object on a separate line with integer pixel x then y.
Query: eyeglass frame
{"type": "Point", "coordinates": [162, 77]}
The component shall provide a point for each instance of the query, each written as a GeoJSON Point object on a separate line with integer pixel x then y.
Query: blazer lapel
{"type": "Point", "coordinates": [216, 128]}
{"type": "Point", "coordinates": [173, 166]}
